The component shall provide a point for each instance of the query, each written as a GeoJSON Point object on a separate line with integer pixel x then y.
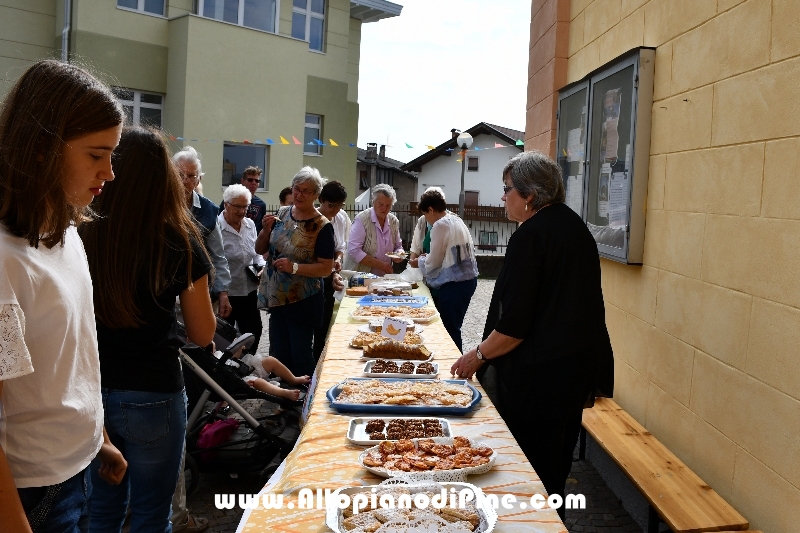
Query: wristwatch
{"type": "Point", "coordinates": [295, 266]}
{"type": "Point", "coordinates": [478, 353]}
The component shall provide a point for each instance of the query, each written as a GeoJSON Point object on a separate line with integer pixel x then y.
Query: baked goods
{"type": "Point", "coordinates": [403, 392]}
{"type": "Point", "coordinates": [425, 454]}
{"type": "Point", "coordinates": [356, 291]}
{"type": "Point", "coordinates": [365, 339]}
{"type": "Point", "coordinates": [377, 324]}
{"type": "Point", "coordinates": [425, 368]}
{"type": "Point", "coordinates": [391, 349]}
{"type": "Point", "coordinates": [394, 311]}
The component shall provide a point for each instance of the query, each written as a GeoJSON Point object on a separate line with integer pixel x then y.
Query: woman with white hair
{"type": "Point", "coordinates": [239, 239]}
{"type": "Point", "coordinates": [375, 233]}
{"type": "Point", "coordinates": [300, 242]}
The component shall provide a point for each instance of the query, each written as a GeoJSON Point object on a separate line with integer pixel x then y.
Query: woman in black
{"type": "Point", "coordinates": [144, 251]}
{"type": "Point", "coordinates": [546, 351]}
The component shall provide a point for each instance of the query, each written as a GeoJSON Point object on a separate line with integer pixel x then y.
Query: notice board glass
{"type": "Point", "coordinates": [603, 150]}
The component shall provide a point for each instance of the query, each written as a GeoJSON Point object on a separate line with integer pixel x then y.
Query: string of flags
{"type": "Point", "coordinates": [317, 142]}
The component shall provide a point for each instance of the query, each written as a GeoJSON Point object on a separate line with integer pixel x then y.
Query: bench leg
{"type": "Point", "coordinates": [652, 520]}
{"type": "Point", "coordinates": [582, 444]}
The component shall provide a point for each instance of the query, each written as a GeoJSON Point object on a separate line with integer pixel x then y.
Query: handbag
{"type": "Point", "coordinates": [252, 273]}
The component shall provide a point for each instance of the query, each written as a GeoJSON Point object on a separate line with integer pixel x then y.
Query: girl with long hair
{"type": "Point", "coordinates": [144, 251]}
{"type": "Point", "coordinates": [58, 128]}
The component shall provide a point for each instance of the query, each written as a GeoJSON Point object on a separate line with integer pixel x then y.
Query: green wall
{"type": "Point", "coordinates": [26, 34]}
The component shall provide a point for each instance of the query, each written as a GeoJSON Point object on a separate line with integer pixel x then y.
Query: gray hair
{"type": "Point", "coordinates": [236, 191]}
{"type": "Point", "coordinates": [306, 175]}
{"type": "Point", "coordinates": [533, 173]}
{"type": "Point", "coordinates": [189, 154]}
{"type": "Point", "coordinates": [436, 189]}
{"type": "Point", "coordinates": [386, 190]}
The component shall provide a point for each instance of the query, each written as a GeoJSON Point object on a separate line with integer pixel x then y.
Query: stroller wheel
{"type": "Point", "coordinates": [266, 474]}
{"type": "Point", "coordinates": [191, 474]}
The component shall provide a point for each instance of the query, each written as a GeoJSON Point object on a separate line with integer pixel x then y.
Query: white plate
{"type": "Point", "coordinates": [396, 256]}
{"type": "Point", "coordinates": [360, 318]}
{"type": "Point", "coordinates": [361, 347]}
{"type": "Point", "coordinates": [456, 474]}
{"type": "Point", "coordinates": [365, 329]}
{"type": "Point", "coordinates": [370, 374]}
{"type": "Point", "coordinates": [357, 434]}
{"type": "Point", "coordinates": [333, 515]}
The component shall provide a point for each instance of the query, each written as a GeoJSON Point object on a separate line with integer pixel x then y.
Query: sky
{"type": "Point", "coordinates": [442, 64]}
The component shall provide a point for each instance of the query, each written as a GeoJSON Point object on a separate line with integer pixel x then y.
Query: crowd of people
{"type": "Point", "coordinates": [93, 417]}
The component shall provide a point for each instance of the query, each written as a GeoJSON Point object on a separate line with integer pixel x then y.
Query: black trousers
{"type": "Point", "coordinates": [247, 316]}
{"type": "Point", "coordinates": [321, 333]}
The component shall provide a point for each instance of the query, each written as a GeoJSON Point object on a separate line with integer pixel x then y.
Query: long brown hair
{"type": "Point", "coordinates": [140, 216]}
{"type": "Point", "coordinates": [52, 103]}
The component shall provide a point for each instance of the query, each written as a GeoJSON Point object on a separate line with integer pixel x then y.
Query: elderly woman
{"type": "Point", "coordinates": [450, 265]}
{"type": "Point", "coordinates": [300, 242]}
{"type": "Point", "coordinates": [545, 345]}
{"type": "Point", "coordinates": [375, 233]}
{"type": "Point", "coordinates": [239, 239]}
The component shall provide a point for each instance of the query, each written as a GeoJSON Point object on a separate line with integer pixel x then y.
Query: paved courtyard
{"type": "Point", "coordinates": [604, 512]}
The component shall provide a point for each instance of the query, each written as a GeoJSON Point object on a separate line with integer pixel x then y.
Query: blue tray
{"type": "Point", "coordinates": [414, 301]}
{"type": "Point", "coordinates": [416, 410]}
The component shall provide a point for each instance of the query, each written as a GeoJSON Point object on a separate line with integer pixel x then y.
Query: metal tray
{"type": "Point", "coordinates": [370, 374]}
{"type": "Point", "coordinates": [394, 301]}
{"type": "Point", "coordinates": [356, 430]}
{"type": "Point", "coordinates": [416, 410]}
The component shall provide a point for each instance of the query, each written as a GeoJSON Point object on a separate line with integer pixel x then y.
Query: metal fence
{"type": "Point", "coordinates": [488, 224]}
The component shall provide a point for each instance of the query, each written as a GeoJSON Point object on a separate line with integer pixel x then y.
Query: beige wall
{"type": "Point", "coordinates": [706, 333]}
{"type": "Point", "coordinates": [27, 33]}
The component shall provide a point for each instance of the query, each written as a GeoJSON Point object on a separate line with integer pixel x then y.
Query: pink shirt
{"type": "Point", "coordinates": [387, 242]}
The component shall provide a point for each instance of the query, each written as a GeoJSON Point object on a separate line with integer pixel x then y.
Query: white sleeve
{"type": "Point", "coordinates": [432, 263]}
{"type": "Point", "coordinates": [15, 360]}
{"type": "Point", "coordinates": [419, 235]}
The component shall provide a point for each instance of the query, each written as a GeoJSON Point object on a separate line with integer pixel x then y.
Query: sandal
{"type": "Point", "coordinates": [196, 524]}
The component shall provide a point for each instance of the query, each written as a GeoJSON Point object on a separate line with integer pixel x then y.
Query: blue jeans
{"type": "Point", "coordinates": [61, 508]}
{"type": "Point", "coordinates": [291, 333]}
{"type": "Point", "coordinates": [149, 429]}
{"type": "Point", "coordinates": [454, 298]}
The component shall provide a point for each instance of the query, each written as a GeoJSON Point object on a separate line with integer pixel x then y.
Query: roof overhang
{"type": "Point", "coordinates": [373, 10]}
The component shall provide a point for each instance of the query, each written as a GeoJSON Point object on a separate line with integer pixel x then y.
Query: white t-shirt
{"type": "Point", "coordinates": [51, 411]}
{"type": "Point", "coordinates": [341, 230]}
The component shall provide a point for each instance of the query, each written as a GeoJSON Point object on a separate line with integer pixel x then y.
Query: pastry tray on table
{"type": "Point", "coordinates": [392, 301]}
{"type": "Point", "coordinates": [357, 429]}
{"type": "Point", "coordinates": [410, 410]}
{"type": "Point", "coordinates": [369, 373]}
{"type": "Point", "coordinates": [367, 318]}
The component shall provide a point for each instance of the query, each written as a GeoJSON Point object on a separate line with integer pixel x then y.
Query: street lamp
{"type": "Point", "coordinates": [464, 142]}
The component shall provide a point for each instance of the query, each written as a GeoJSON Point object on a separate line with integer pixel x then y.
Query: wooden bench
{"type": "Point", "coordinates": [676, 494]}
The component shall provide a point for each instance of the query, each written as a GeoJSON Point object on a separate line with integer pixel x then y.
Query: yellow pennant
{"type": "Point", "coordinates": [333, 143]}
{"type": "Point", "coordinates": [283, 140]}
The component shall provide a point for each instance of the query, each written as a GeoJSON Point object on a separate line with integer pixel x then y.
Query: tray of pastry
{"type": "Point", "coordinates": [447, 397]}
{"type": "Point", "coordinates": [389, 301]}
{"type": "Point", "coordinates": [387, 368]}
{"type": "Point", "coordinates": [365, 338]}
{"type": "Point", "coordinates": [366, 313]}
{"type": "Point", "coordinates": [368, 431]}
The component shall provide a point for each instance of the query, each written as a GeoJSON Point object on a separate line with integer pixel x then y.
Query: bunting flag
{"type": "Point", "coordinates": [520, 143]}
{"type": "Point", "coordinates": [351, 145]}
{"type": "Point", "coordinates": [173, 138]}
{"type": "Point", "coordinates": [319, 143]}
{"type": "Point", "coordinates": [431, 147]}
{"type": "Point", "coordinates": [181, 139]}
{"type": "Point", "coordinates": [333, 143]}
{"type": "Point", "coordinates": [270, 141]}
{"type": "Point", "coordinates": [295, 140]}
{"type": "Point", "coordinates": [409, 146]}
{"type": "Point", "coordinates": [284, 141]}
{"type": "Point", "coordinates": [246, 142]}
{"type": "Point", "coordinates": [498, 145]}
{"type": "Point", "coordinates": [477, 148]}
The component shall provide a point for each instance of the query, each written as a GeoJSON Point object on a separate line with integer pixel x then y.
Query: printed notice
{"type": "Point", "coordinates": [574, 146]}
{"type": "Point", "coordinates": [618, 199]}
{"type": "Point", "coordinates": [602, 190]}
{"type": "Point", "coordinates": [575, 193]}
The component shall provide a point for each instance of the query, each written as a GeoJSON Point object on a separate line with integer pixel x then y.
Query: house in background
{"type": "Point", "coordinates": [483, 185]}
{"type": "Point", "coordinates": [387, 170]}
{"type": "Point", "coordinates": [221, 76]}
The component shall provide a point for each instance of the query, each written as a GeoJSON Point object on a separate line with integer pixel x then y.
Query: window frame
{"type": "Point", "coordinates": [240, 16]}
{"type": "Point", "coordinates": [140, 9]}
{"type": "Point", "coordinates": [477, 160]}
{"type": "Point", "coordinates": [309, 15]}
{"type": "Point", "coordinates": [264, 185]}
{"type": "Point", "coordinates": [137, 104]}
{"type": "Point", "coordinates": [318, 127]}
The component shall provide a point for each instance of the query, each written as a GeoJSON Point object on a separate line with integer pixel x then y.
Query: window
{"type": "Point", "coordinates": [237, 157]}
{"type": "Point", "coordinates": [257, 14]}
{"type": "Point", "coordinates": [471, 197]}
{"type": "Point", "coordinates": [141, 108]}
{"type": "Point", "coordinates": [487, 240]}
{"type": "Point", "coordinates": [472, 163]}
{"type": "Point", "coordinates": [308, 22]}
{"type": "Point", "coordinates": [363, 180]}
{"type": "Point", "coordinates": [155, 7]}
{"type": "Point", "coordinates": [384, 175]}
{"type": "Point", "coordinates": [313, 130]}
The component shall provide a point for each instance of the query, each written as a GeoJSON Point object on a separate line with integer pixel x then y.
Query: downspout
{"type": "Point", "coordinates": [65, 31]}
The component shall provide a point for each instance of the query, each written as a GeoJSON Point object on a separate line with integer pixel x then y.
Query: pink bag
{"type": "Point", "coordinates": [214, 434]}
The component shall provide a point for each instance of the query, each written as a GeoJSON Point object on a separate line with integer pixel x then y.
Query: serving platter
{"type": "Point", "coordinates": [369, 373]}
{"type": "Point", "coordinates": [357, 433]}
{"type": "Point", "coordinates": [394, 301]}
{"type": "Point", "coordinates": [367, 318]}
{"type": "Point", "coordinates": [365, 329]}
{"type": "Point", "coordinates": [416, 410]}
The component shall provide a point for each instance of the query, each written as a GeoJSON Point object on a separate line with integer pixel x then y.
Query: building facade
{"type": "Point", "coordinates": [706, 331]}
{"type": "Point", "coordinates": [229, 78]}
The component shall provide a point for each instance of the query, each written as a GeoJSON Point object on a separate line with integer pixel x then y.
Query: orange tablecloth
{"type": "Point", "coordinates": [324, 458]}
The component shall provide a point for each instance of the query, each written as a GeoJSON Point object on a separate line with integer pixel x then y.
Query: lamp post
{"type": "Point", "coordinates": [464, 142]}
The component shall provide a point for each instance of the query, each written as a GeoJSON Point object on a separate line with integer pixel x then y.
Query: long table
{"type": "Point", "coordinates": [323, 458]}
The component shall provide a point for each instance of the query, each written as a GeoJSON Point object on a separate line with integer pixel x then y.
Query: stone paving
{"type": "Point", "coordinates": [603, 513]}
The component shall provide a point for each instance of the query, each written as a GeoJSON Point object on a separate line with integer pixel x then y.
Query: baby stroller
{"type": "Point", "coordinates": [253, 446]}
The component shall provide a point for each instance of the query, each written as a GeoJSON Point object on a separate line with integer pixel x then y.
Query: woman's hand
{"type": "Point", "coordinates": [224, 305]}
{"type": "Point", "coordinates": [414, 263]}
{"type": "Point", "coordinates": [268, 222]}
{"type": "Point", "coordinates": [396, 260]}
{"type": "Point", "coordinates": [283, 265]}
{"type": "Point", "coordinates": [467, 365]}
{"type": "Point", "coordinates": [338, 283]}
{"type": "Point", "coordinates": [112, 464]}
{"type": "Point", "coordinates": [386, 268]}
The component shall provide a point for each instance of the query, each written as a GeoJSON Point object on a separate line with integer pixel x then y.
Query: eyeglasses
{"type": "Point", "coordinates": [238, 207]}
{"type": "Point", "coordinates": [253, 180]}
{"type": "Point", "coordinates": [332, 205]}
{"type": "Point", "coordinates": [189, 177]}
{"type": "Point", "coordinates": [506, 189]}
{"type": "Point", "coordinates": [303, 192]}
